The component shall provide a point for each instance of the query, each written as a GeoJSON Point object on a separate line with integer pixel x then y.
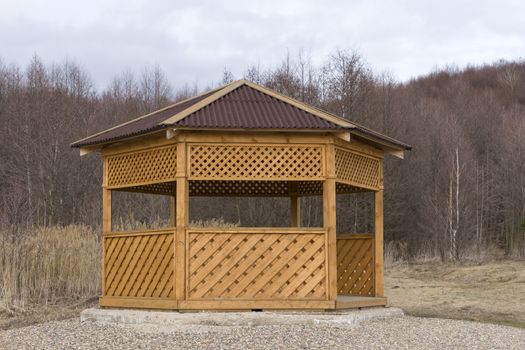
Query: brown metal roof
{"type": "Point", "coordinates": [248, 108]}
{"type": "Point", "coordinates": [240, 105]}
{"type": "Point", "coordinates": [141, 125]}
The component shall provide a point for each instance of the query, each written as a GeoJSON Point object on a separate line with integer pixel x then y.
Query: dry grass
{"type": "Point", "coordinates": [45, 272]}
{"type": "Point", "coordinates": [492, 292]}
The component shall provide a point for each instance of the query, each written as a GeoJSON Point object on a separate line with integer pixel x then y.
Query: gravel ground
{"type": "Point", "coordinates": [394, 333]}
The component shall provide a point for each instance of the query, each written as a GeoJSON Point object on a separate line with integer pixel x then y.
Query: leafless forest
{"type": "Point", "coordinates": [459, 194]}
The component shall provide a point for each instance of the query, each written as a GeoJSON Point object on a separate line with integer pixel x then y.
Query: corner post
{"type": "Point", "coordinates": [379, 284]}
{"type": "Point", "coordinates": [329, 220]}
{"type": "Point", "coordinates": [106, 219]}
{"type": "Point", "coordinates": [181, 222]}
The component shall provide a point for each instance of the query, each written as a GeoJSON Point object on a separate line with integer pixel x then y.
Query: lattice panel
{"type": "Point", "coordinates": [355, 266]}
{"type": "Point", "coordinates": [155, 165]}
{"type": "Point", "coordinates": [357, 168]}
{"type": "Point", "coordinates": [255, 162]}
{"type": "Point", "coordinates": [139, 265]}
{"type": "Point", "coordinates": [256, 266]}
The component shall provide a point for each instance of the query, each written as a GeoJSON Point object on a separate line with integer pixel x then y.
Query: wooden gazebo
{"type": "Point", "coordinates": [242, 140]}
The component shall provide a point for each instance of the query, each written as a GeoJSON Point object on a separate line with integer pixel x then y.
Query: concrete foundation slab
{"type": "Point", "coordinates": [173, 318]}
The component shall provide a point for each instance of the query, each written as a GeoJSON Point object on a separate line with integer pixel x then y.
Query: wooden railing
{"type": "Point", "coordinates": [257, 267]}
{"type": "Point", "coordinates": [355, 264]}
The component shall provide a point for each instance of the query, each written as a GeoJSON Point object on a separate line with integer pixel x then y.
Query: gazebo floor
{"type": "Point", "coordinates": [353, 302]}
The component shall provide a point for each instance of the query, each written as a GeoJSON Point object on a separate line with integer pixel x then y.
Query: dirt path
{"type": "Point", "coordinates": [493, 292]}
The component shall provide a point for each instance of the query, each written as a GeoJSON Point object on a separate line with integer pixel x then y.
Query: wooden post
{"type": "Point", "coordinates": [329, 220]}
{"type": "Point", "coordinates": [378, 244]}
{"type": "Point", "coordinates": [295, 205]}
{"type": "Point", "coordinates": [106, 219]}
{"type": "Point", "coordinates": [182, 200]}
{"type": "Point", "coordinates": [106, 210]}
{"type": "Point", "coordinates": [173, 210]}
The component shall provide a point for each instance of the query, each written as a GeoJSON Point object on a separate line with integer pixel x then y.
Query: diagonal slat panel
{"type": "Point", "coordinates": [355, 266]}
{"type": "Point", "coordinates": [140, 265]}
{"type": "Point", "coordinates": [260, 265]}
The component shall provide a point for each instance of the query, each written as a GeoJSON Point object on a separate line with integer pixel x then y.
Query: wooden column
{"type": "Point", "coordinates": [173, 210]}
{"type": "Point", "coordinates": [295, 205]}
{"type": "Point", "coordinates": [182, 201]}
{"type": "Point", "coordinates": [106, 210]}
{"type": "Point", "coordinates": [329, 220]}
{"type": "Point", "coordinates": [378, 244]}
{"type": "Point", "coordinates": [106, 219]}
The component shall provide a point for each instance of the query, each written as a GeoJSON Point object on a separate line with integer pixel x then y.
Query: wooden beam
{"type": "Point", "coordinates": [181, 204]}
{"type": "Point", "coordinates": [378, 244]}
{"type": "Point", "coordinates": [329, 221]}
{"type": "Point", "coordinates": [248, 304]}
{"type": "Point", "coordinates": [88, 149]}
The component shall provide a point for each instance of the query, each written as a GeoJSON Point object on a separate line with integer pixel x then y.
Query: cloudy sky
{"type": "Point", "coordinates": [194, 40]}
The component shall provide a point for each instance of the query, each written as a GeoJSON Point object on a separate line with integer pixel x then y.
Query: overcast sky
{"type": "Point", "coordinates": [194, 40]}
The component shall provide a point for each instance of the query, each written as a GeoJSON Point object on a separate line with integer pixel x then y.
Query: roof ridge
{"type": "Point", "coordinates": [226, 89]}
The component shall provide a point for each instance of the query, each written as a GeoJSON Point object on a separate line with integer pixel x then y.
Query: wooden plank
{"type": "Point", "coordinates": [378, 244]}
{"type": "Point", "coordinates": [152, 232]}
{"type": "Point", "coordinates": [182, 202]}
{"type": "Point", "coordinates": [270, 304]}
{"type": "Point", "coordinates": [280, 230]}
{"type": "Point", "coordinates": [329, 220]}
{"type": "Point", "coordinates": [137, 144]}
{"type": "Point", "coordinates": [358, 146]}
{"type": "Point", "coordinates": [261, 136]}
